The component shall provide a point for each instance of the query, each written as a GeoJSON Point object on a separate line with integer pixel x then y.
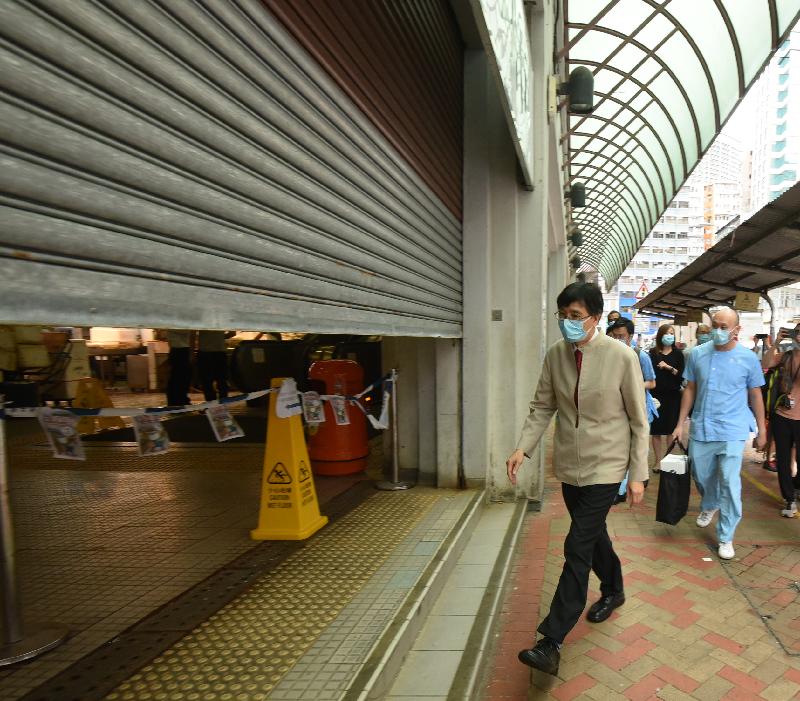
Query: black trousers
{"type": "Point", "coordinates": [787, 434]}
{"type": "Point", "coordinates": [180, 376]}
{"type": "Point", "coordinates": [213, 367]}
{"type": "Point", "coordinates": [587, 547]}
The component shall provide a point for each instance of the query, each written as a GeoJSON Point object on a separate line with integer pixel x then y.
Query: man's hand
{"type": "Point", "coordinates": [513, 464]}
{"type": "Point", "coordinates": [677, 435]}
{"type": "Point", "coordinates": [635, 493]}
{"type": "Point", "coordinates": [760, 441]}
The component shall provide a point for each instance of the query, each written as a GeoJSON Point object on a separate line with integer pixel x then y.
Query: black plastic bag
{"type": "Point", "coordinates": [673, 494]}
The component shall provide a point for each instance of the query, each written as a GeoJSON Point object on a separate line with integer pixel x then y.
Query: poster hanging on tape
{"type": "Point", "coordinates": [288, 402]}
{"type": "Point", "coordinates": [151, 437]}
{"type": "Point", "coordinates": [340, 412]}
{"type": "Point", "coordinates": [313, 411]}
{"type": "Point", "coordinates": [61, 429]}
{"type": "Point", "coordinates": [382, 422]}
{"type": "Point", "coordinates": [224, 426]}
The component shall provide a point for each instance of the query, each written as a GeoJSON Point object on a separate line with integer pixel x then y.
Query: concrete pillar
{"type": "Point", "coordinates": [400, 353]}
{"type": "Point", "coordinates": [426, 409]}
{"type": "Point", "coordinates": [478, 92]}
{"type": "Point", "coordinates": [448, 412]}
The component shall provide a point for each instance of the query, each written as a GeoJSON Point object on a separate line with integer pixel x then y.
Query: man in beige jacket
{"type": "Point", "coordinates": [593, 385]}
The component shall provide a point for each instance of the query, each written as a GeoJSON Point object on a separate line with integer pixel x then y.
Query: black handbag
{"type": "Point", "coordinates": [673, 492]}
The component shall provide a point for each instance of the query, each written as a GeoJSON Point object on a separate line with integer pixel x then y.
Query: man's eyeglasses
{"type": "Point", "coordinates": [561, 317]}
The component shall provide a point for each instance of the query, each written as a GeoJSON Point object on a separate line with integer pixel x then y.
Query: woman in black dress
{"type": "Point", "coordinates": [668, 364]}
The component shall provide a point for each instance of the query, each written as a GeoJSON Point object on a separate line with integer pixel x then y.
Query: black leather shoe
{"type": "Point", "coordinates": [602, 609]}
{"type": "Point", "coordinates": [543, 656]}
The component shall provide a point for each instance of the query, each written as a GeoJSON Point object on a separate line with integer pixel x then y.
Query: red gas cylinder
{"type": "Point", "coordinates": [339, 449]}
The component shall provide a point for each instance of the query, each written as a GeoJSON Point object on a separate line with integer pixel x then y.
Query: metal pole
{"type": "Point", "coordinates": [395, 485]}
{"type": "Point", "coordinates": [768, 299]}
{"type": "Point", "coordinates": [12, 629]}
{"type": "Point", "coordinates": [16, 647]}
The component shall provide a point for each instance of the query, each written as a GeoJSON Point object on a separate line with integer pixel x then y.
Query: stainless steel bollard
{"type": "Point", "coordinates": [16, 646]}
{"type": "Point", "coordinates": [394, 485]}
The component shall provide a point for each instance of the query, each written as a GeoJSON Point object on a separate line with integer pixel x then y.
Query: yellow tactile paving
{"type": "Point", "coordinates": [243, 651]}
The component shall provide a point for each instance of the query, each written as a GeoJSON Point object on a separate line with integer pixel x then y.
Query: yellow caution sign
{"type": "Point", "coordinates": [289, 507]}
{"type": "Point", "coordinates": [91, 395]}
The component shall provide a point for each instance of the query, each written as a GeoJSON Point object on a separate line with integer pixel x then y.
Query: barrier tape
{"type": "Point", "coordinates": [33, 412]}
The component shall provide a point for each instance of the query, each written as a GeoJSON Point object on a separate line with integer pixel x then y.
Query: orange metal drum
{"type": "Point", "coordinates": [339, 449]}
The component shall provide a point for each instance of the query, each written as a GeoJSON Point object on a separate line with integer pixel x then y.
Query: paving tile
{"type": "Point", "coordinates": [444, 633]}
{"type": "Point", "coordinates": [427, 672]}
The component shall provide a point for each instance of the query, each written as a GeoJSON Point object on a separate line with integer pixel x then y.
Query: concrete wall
{"type": "Point", "coordinates": [428, 407]}
{"type": "Point", "coordinates": [510, 270]}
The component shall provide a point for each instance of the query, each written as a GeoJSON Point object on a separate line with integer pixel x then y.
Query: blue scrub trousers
{"type": "Point", "coordinates": [716, 468]}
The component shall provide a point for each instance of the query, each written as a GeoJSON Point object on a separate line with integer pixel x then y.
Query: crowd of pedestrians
{"type": "Point", "coordinates": [610, 400]}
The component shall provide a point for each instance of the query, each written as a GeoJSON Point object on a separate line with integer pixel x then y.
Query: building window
{"type": "Point", "coordinates": [778, 162]}
{"type": "Point", "coordinates": [780, 145]}
{"type": "Point", "coordinates": [780, 129]}
{"type": "Point", "coordinates": [783, 177]}
{"type": "Point", "coordinates": [782, 95]}
{"type": "Point", "coordinates": [781, 112]}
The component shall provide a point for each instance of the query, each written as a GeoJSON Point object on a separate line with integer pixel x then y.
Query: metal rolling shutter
{"type": "Point", "coordinates": [186, 163]}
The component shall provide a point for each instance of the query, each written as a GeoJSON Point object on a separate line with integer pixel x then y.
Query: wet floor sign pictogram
{"type": "Point", "coordinates": [289, 507]}
{"type": "Point", "coordinates": [279, 475]}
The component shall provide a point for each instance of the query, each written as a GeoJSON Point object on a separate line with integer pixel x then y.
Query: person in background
{"type": "Point", "coordinates": [613, 315]}
{"type": "Point", "coordinates": [785, 420]}
{"type": "Point", "coordinates": [702, 334]}
{"type": "Point", "coordinates": [593, 384]}
{"type": "Point", "coordinates": [180, 366]}
{"type": "Point", "coordinates": [212, 363]}
{"type": "Point", "coordinates": [723, 378]}
{"type": "Point", "coordinates": [622, 330]}
{"type": "Point", "coordinates": [668, 364]}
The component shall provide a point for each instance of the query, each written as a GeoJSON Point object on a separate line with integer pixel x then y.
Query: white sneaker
{"type": "Point", "coordinates": [789, 510]}
{"type": "Point", "coordinates": [726, 551]}
{"type": "Point", "coordinates": [705, 517]}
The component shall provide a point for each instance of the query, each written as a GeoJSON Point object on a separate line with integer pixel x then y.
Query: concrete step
{"type": "Point", "coordinates": [444, 661]}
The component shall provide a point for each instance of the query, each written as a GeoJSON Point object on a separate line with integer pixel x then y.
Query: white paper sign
{"type": "Point", "coordinates": [223, 424]}
{"type": "Point", "coordinates": [151, 437]}
{"type": "Point", "coordinates": [382, 422]}
{"type": "Point", "coordinates": [340, 413]}
{"type": "Point", "coordinates": [313, 410]}
{"type": "Point", "coordinates": [288, 402]}
{"type": "Point", "coordinates": [61, 428]}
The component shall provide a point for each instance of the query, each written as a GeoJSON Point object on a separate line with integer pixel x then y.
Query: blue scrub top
{"type": "Point", "coordinates": [648, 373]}
{"type": "Point", "coordinates": [721, 407]}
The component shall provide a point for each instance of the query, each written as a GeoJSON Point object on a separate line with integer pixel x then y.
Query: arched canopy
{"type": "Point", "coordinates": [668, 74]}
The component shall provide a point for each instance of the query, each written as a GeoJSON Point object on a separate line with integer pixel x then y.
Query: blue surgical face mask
{"type": "Point", "coordinates": [703, 338]}
{"type": "Point", "coordinates": [720, 336]}
{"type": "Point", "coordinates": [572, 330]}
{"type": "Point", "coordinates": [668, 339]}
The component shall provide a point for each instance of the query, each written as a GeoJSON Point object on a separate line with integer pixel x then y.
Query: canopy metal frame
{"type": "Point", "coordinates": [613, 232]}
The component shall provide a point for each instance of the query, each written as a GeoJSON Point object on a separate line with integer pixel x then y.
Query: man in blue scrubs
{"type": "Point", "coordinates": [723, 377]}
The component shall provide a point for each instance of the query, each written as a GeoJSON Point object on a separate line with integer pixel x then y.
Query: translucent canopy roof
{"type": "Point", "coordinates": [667, 74]}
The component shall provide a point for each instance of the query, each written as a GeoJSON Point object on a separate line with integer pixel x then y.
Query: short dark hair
{"type": "Point", "coordinates": [587, 293]}
{"type": "Point", "coordinates": [621, 323]}
{"type": "Point", "coordinates": [613, 311]}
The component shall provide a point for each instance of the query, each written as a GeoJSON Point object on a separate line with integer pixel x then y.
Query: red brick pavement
{"type": "Point", "coordinates": [685, 631]}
